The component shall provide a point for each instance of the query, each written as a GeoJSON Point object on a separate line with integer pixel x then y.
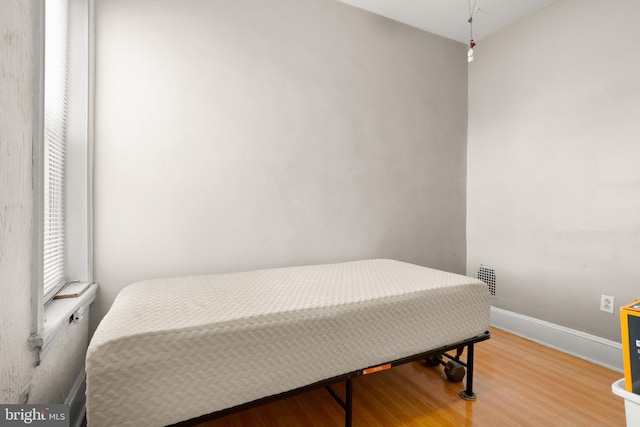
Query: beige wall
{"type": "Point", "coordinates": [20, 380]}
{"type": "Point", "coordinates": [234, 135]}
{"type": "Point", "coordinates": [553, 163]}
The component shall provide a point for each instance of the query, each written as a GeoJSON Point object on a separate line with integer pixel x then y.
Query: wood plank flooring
{"type": "Point", "coordinates": [518, 383]}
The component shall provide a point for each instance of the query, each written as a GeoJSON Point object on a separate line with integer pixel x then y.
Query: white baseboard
{"type": "Point", "coordinates": [589, 347]}
{"type": "Point", "coordinates": [77, 400]}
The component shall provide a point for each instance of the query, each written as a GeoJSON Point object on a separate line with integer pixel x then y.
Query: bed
{"type": "Point", "coordinates": [176, 349]}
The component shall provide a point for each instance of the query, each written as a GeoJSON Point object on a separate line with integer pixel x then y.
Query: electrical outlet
{"type": "Point", "coordinates": [606, 303]}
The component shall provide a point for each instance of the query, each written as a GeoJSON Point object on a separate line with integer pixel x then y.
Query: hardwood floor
{"type": "Point", "coordinates": [518, 383]}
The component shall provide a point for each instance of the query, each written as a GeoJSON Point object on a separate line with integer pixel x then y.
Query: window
{"type": "Point", "coordinates": [62, 153]}
{"type": "Point", "coordinates": [56, 83]}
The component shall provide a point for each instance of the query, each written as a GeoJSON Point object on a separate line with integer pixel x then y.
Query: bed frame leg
{"type": "Point", "coordinates": [468, 393]}
{"type": "Point", "coordinates": [347, 403]}
{"type": "Point", "coordinates": [348, 410]}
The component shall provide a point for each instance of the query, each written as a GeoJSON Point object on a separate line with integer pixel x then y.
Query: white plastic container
{"type": "Point", "coordinates": [631, 403]}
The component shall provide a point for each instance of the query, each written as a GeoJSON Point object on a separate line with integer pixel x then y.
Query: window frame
{"type": "Point", "coordinates": [51, 317]}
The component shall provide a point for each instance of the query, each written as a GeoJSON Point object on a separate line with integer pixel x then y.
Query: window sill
{"type": "Point", "coordinates": [59, 314]}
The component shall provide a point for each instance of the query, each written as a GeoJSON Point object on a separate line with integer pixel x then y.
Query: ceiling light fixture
{"type": "Point", "coordinates": [472, 43]}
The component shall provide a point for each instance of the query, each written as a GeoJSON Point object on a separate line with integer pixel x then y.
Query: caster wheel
{"type": "Point", "coordinates": [454, 371]}
{"type": "Point", "coordinates": [433, 360]}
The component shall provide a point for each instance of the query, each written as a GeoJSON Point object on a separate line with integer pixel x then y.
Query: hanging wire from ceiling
{"type": "Point", "coordinates": [472, 43]}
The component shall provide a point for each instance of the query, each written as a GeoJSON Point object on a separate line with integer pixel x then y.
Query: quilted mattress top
{"type": "Point", "coordinates": [236, 299]}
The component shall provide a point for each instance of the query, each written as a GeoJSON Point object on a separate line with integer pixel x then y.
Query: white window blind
{"type": "Point", "coordinates": [56, 86]}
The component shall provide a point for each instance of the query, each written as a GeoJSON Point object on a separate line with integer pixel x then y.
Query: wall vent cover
{"type": "Point", "coordinates": [488, 276]}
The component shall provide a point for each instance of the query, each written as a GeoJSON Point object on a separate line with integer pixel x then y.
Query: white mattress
{"type": "Point", "coordinates": [174, 349]}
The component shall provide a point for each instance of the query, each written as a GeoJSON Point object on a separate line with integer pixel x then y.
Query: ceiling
{"type": "Point", "coordinates": [448, 18]}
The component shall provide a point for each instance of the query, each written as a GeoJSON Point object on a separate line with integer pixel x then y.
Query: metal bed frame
{"type": "Point", "coordinates": [347, 403]}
